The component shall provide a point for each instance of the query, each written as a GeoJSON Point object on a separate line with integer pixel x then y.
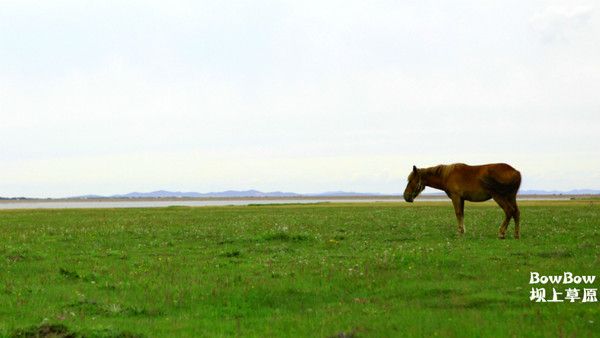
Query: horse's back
{"type": "Point", "coordinates": [504, 172]}
{"type": "Point", "coordinates": [494, 178]}
{"type": "Point", "coordinates": [501, 178]}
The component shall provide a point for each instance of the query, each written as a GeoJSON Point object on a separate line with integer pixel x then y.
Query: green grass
{"type": "Point", "coordinates": [373, 270]}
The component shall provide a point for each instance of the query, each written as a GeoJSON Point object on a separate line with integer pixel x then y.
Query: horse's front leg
{"type": "Point", "coordinates": [459, 208]}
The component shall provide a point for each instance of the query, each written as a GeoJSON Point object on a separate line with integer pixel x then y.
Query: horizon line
{"type": "Point", "coordinates": [258, 193]}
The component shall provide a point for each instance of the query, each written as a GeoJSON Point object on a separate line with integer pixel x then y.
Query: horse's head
{"type": "Point", "coordinates": [414, 187]}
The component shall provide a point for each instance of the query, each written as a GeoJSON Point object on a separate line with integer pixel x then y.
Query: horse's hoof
{"type": "Point", "coordinates": [501, 237]}
{"type": "Point", "coordinates": [517, 236]}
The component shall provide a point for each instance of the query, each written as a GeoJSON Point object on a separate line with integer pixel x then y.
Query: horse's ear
{"type": "Point", "coordinates": [415, 169]}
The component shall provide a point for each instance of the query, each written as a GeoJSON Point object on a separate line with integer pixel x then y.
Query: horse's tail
{"type": "Point", "coordinates": [505, 186]}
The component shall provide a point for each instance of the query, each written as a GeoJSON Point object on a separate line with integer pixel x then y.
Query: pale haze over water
{"type": "Point", "coordinates": [119, 96]}
{"type": "Point", "coordinates": [158, 203]}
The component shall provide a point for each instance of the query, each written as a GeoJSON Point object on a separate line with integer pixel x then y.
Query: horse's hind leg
{"type": "Point", "coordinates": [508, 212]}
{"type": "Point", "coordinates": [516, 216]}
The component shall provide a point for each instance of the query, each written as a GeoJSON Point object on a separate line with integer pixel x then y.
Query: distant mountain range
{"type": "Point", "coordinates": [224, 194]}
{"type": "Point", "coordinates": [256, 193]}
{"type": "Point", "coordinates": [228, 193]}
{"type": "Point", "coordinates": [559, 192]}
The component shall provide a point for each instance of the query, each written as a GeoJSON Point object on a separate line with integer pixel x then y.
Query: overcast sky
{"type": "Point", "coordinates": [110, 97]}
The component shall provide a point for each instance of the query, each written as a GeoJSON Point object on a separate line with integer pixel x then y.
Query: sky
{"type": "Point", "coordinates": [107, 97]}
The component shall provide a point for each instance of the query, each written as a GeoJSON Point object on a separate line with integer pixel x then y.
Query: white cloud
{"type": "Point", "coordinates": [560, 22]}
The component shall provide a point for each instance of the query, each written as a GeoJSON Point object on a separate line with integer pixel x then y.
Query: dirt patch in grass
{"type": "Point", "coordinates": [15, 258]}
{"type": "Point", "coordinates": [61, 331]}
{"type": "Point", "coordinates": [45, 330]}
{"type": "Point", "coordinates": [69, 274]}
{"type": "Point", "coordinates": [555, 254]}
{"type": "Point", "coordinates": [232, 254]}
{"type": "Point", "coordinates": [74, 275]}
{"type": "Point", "coordinates": [285, 237]}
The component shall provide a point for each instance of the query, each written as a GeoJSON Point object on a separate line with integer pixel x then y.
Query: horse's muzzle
{"type": "Point", "coordinates": [408, 199]}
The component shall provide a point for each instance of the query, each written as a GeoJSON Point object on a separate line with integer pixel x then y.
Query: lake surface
{"type": "Point", "coordinates": [168, 203]}
{"type": "Point", "coordinates": [96, 204]}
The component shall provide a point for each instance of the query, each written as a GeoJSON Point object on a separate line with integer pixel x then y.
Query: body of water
{"type": "Point", "coordinates": [167, 203]}
{"type": "Point", "coordinates": [96, 204]}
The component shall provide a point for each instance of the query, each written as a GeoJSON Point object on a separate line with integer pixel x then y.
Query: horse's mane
{"type": "Point", "coordinates": [440, 170]}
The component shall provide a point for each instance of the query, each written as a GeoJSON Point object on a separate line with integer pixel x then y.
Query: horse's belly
{"type": "Point", "coordinates": [476, 196]}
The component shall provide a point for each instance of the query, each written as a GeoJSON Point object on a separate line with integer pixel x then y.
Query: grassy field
{"type": "Point", "coordinates": [372, 270]}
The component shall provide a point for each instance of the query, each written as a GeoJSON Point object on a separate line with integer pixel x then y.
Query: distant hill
{"type": "Point", "coordinates": [558, 192]}
{"type": "Point", "coordinates": [344, 193]}
{"type": "Point", "coordinates": [89, 197]}
{"type": "Point", "coordinates": [179, 194]}
{"type": "Point", "coordinates": [256, 193]}
{"type": "Point", "coordinates": [157, 194]}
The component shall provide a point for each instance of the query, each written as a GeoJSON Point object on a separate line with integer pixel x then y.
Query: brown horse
{"type": "Point", "coordinates": [477, 183]}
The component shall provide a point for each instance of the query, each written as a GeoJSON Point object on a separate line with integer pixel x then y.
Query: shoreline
{"type": "Point", "coordinates": [112, 203]}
